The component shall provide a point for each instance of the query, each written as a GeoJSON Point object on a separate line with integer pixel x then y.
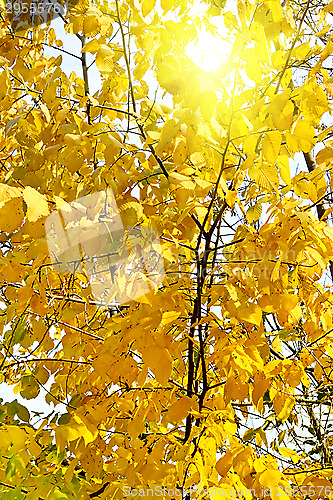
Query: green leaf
{"type": "Point", "coordinates": [64, 419]}
{"type": "Point", "coordinates": [248, 436]}
{"type": "Point", "coordinates": [23, 413]}
{"type": "Point", "coordinates": [19, 333]}
{"type": "Point", "coordinates": [30, 387]}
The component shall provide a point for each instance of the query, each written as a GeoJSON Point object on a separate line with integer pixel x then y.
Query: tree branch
{"type": "Point", "coordinates": [311, 164]}
{"type": "Point", "coordinates": [83, 58]}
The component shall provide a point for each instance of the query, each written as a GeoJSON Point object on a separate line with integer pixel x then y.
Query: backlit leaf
{"type": "Point", "coordinates": [36, 203]}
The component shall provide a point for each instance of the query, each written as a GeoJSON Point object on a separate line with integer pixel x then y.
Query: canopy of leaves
{"type": "Point", "coordinates": [222, 377]}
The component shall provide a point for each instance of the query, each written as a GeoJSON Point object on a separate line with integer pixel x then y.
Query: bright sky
{"type": "Point", "coordinates": [207, 52]}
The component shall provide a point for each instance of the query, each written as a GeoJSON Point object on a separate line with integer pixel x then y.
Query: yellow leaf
{"type": "Point", "coordinates": [180, 409]}
{"type": "Point", "coordinates": [37, 305]}
{"type": "Point", "coordinates": [130, 212]}
{"type": "Point", "coordinates": [250, 312]}
{"type": "Point", "coordinates": [169, 130]}
{"type": "Point", "coordinates": [253, 67]}
{"type": "Point", "coordinates": [104, 59]}
{"type": "Point", "coordinates": [91, 25]}
{"type": "Point", "coordinates": [88, 435]}
{"type": "Point", "coordinates": [170, 77]}
{"type": "Point", "coordinates": [253, 214]}
{"type": "Point", "coordinates": [270, 478]}
{"type": "Point", "coordinates": [72, 140]}
{"type": "Point", "coordinates": [250, 144]}
{"type": "Point", "coordinates": [266, 177]}
{"type": "Point", "coordinates": [207, 103]}
{"type": "Point", "coordinates": [224, 463]}
{"type": "Point", "coordinates": [11, 214]}
{"type": "Point", "coordinates": [66, 434]}
{"type": "Point", "coordinates": [316, 104]}
{"type": "Point", "coordinates": [271, 145]}
{"type": "Point", "coordinates": [275, 7]}
{"type": "Point", "coordinates": [163, 366]}
{"type": "Point", "coordinates": [280, 101]}
{"type": "Point", "coordinates": [321, 484]}
{"type": "Point", "coordinates": [160, 361]}
{"type": "Point", "coordinates": [287, 301]}
{"type": "Point", "coordinates": [92, 46]}
{"type": "Point", "coordinates": [230, 427]}
{"type": "Point", "coordinates": [147, 6]}
{"type": "Point", "coordinates": [7, 192]}
{"type": "Point", "coordinates": [11, 123]}
{"type": "Point", "coordinates": [180, 180]}
{"type": "Point", "coordinates": [169, 317]}
{"type": "Point", "coordinates": [45, 112]}
{"type": "Point", "coordinates": [36, 203]}
{"type": "Point", "coordinates": [261, 384]}
{"type": "Point", "coordinates": [3, 61]}
{"type": "Point", "coordinates": [70, 470]}
{"type": "Point", "coordinates": [203, 185]}
{"type": "Point", "coordinates": [34, 448]}
{"type": "Point", "coordinates": [17, 437]}
{"type": "Point", "coordinates": [287, 452]}
{"type": "Point", "coordinates": [283, 165]}
{"type": "Point", "coordinates": [302, 138]}
{"type": "Point", "coordinates": [181, 153]}
{"type": "Point", "coordinates": [115, 143]}
{"type": "Point", "coordinates": [283, 405]}
{"type": "Point", "coordinates": [312, 191]}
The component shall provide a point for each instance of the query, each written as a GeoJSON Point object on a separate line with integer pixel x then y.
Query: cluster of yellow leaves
{"type": "Point", "coordinates": [158, 392]}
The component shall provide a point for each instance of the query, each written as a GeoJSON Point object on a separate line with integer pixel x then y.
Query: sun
{"type": "Point", "coordinates": [208, 52]}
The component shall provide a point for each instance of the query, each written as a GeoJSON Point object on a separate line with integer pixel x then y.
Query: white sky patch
{"type": "Point", "coordinates": [37, 404]}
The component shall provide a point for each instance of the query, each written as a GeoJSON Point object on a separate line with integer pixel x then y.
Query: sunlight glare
{"type": "Point", "coordinates": [208, 52]}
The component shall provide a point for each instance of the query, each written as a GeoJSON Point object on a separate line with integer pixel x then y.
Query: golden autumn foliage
{"type": "Point", "coordinates": [220, 379]}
